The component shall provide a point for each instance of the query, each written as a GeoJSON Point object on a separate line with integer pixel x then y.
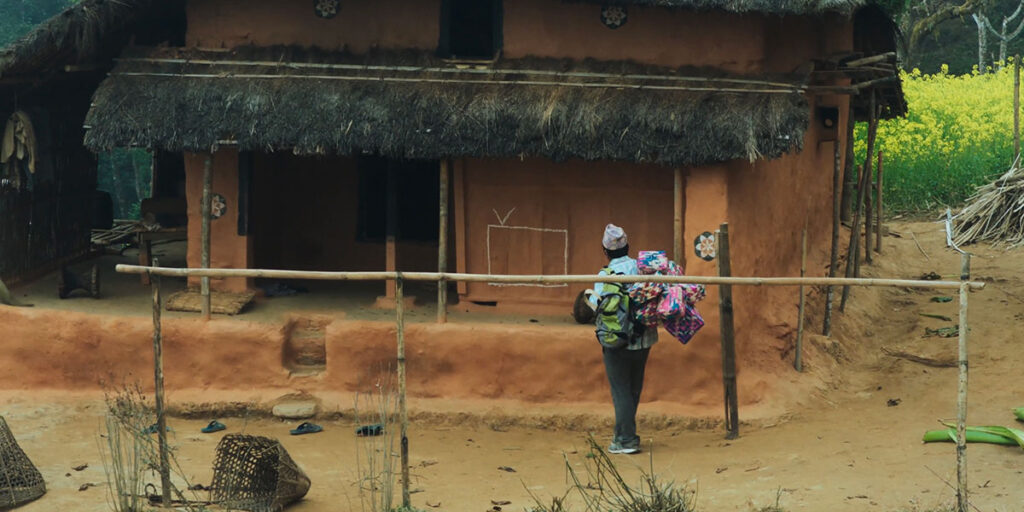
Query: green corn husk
{"type": "Point", "coordinates": [949, 435]}
{"type": "Point", "coordinates": [1009, 433]}
{"type": "Point", "coordinates": [1019, 413]}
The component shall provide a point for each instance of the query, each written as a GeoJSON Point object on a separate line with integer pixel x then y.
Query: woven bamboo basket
{"type": "Point", "coordinates": [20, 481]}
{"type": "Point", "coordinates": [255, 473]}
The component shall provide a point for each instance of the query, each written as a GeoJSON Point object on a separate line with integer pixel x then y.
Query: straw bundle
{"type": "Point", "coordinates": [995, 213]}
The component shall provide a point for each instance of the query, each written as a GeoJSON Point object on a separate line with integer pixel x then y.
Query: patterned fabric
{"type": "Point", "coordinates": [614, 238]}
{"type": "Point", "coordinates": [671, 305]}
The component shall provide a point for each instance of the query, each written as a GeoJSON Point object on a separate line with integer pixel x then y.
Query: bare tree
{"type": "Point", "coordinates": [1002, 35]}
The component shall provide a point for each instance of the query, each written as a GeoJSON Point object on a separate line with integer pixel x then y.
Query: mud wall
{"type": "Point", "coordinates": [358, 26]}
{"type": "Point", "coordinates": [535, 216]}
{"type": "Point", "coordinates": [60, 350]}
{"type": "Point", "coordinates": [228, 249]}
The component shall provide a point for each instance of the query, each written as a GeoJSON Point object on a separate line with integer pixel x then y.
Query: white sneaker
{"type": "Point", "coordinates": [618, 448]}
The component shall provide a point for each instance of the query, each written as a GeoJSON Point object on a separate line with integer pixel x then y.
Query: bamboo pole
{"type": "Point", "coordinates": [677, 217]}
{"type": "Point", "coordinates": [1016, 107]}
{"type": "Point", "coordinates": [403, 411]}
{"type": "Point", "coordinates": [961, 401]}
{"type": "Point", "coordinates": [539, 279]}
{"type": "Point", "coordinates": [853, 258]}
{"type": "Point", "coordinates": [789, 89]}
{"type": "Point", "coordinates": [869, 234]}
{"type": "Point", "coordinates": [205, 234]}
{"type": "Point", "coordinates": [725, 308]}
{"type": "Point", "coordinates": [834, 256]}
{"type": "Point", "coordinates": [158, 377]}
{"type": "Point", "coordinates": [798, 362]}
{"type": "Point", "coordinates": [878, 205]}
{"type": "Point", "coordinates": [849, 178]}
{"type": "Point", "coordinates": [442, 243]}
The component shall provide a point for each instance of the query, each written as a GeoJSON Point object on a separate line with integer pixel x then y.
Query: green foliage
{"type": "Point", "coordinates": [126, 175]}
{"type": "Point", "coordinates": [18, 17]}
{"type": "Point", "coordinates": [957, 135]}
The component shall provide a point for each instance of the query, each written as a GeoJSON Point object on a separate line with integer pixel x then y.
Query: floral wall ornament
{"type": "Point", "coordinates": [326, 8]}
{"type": "Point", "coordinates": [704, 246]}
{"type": "Point", "coordinates": [218, 206]}
{"type": "Point", "coordinates": [614, 16]}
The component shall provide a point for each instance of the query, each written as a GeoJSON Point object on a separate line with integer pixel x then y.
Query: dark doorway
{"type": "Point", "coordinates": [417, 195]}
{"type": "Point", "coordinates": [470, 29]}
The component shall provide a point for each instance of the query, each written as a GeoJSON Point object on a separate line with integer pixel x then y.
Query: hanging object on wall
{"type": "Point", "coordinates": [704, 246]}
{"type": "Point", "coordinates": [17, 151]}
{"type": "Point", "coordinates": [326, 8]}
{"type": "Point", "coordinates": [614, 16]}
{"type": "Point", "coordinates": [218, 206]}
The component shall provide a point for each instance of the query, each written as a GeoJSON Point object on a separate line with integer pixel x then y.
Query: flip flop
{"type": "Point", "coordinates": [306, 428]}
{"type": "Point", "coordinates": [214, 426]}
{"type": "Point", "coordinates": [370, 430]}
{"type": "Point", "coordinates": [153, 429]}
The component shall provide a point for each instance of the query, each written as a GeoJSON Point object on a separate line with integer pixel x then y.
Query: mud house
{"type": "Point", "coordinates": [335, 129]}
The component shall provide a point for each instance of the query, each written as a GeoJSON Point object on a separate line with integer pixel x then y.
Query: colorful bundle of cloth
{"type": "Point", "coordinates": [671, 305]}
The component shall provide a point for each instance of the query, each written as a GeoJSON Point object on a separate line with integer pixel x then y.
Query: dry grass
{"type": "Point", "coordinates": [376, 456]}
{"type": "Point", "coordinates": [995, 213]}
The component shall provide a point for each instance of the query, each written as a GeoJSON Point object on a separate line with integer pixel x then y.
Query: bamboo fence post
{"type": "Point", "coordinates": [1016, 107]}
{"type": "Point", "coordinates": [849, 179]}
{"type": "Point", "coordinates": [853, 253]}
{"type": "Point", "coordinates": [728, 336]}
{"type": "Point", "coordinates": [403, 411]}
{"type": "Point", "coordinates": [869, 234]}
{"type": "Point", "coordinates": [798, 362]}
{"type": "Point", "coordinates": [158, 378]}
{"type": "Point", "coordinates": [442, 244]}
{"type": "Point", "coordinates": [205, 234]}
{"type": "Point", "coordinates": [677, 217]}
{"type": "Point", "coordinates": [878, 205]}
{"type": "Point", "coordinates": [961, 400]}
{"type": "Point", "coordinates": [834, 257]}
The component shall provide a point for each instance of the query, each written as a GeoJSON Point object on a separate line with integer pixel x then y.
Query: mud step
{"type": "Point", "coordinates": [305, 346]}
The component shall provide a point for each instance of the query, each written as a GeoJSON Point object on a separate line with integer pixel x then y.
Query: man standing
{"type": "Point", "coordinates": [624, 366]}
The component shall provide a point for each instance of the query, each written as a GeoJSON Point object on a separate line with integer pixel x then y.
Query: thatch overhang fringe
{"type": "Point", "coordinates": [84, 32]}
{"type": "Point", "coordinates": [776, 7]}
{"type": "Point", "coordinates": [189, 106]}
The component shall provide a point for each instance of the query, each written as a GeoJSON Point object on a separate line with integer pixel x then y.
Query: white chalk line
{"type": "Point", "coordinates": [565, 232]}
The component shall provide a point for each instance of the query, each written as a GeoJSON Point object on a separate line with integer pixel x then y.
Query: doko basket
{"type": "Point", "coordinates": [255, 473]}
{"type": "Point", "coordinates": [20, 481]}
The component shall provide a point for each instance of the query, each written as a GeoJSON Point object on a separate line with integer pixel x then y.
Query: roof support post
{"type": "Point", "coordinates": [679, 200]}
{"type": "Point", "coordinates": [391, 228]}
{"type": "Point", "coordinates": [205, 234]}
{"type": "Point", "coordinates": [442, 242]}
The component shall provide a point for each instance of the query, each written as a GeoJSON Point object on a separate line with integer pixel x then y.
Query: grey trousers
{"type": "Point", "coordinates": [625, 369]}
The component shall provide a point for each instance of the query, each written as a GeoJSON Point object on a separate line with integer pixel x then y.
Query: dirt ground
{"type": "Point", "coordinates": [853, 446]}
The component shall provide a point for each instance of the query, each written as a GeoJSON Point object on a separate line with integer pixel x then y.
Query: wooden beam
{"type": "Point", "coordinates": [878, 205]}
{"type": "Point", "coordinates": [725, 307]}
{"type": "Point", "coordinates": [402, 408]}
{"type": "Point", "coordinates": [460, 221]}
{"type": "Point", "coordinates": [836, 214]}
{"type": "Point", "coordinates": [961, 395]}
{"type": "Point", "coordinates": [391, 228]}
{"type": "Point", "coordinates": [798, 361]}
{"type": "Point", "coordinates": [442, 243]}
{"type": "Point", "coordinates": [205, 234]}
{"type": "Point", "coordinates": [679, 200]}
{"type": "Point", "coordinates": [158, 376]}
{"type": "Point", "coordinates": [541, 279]}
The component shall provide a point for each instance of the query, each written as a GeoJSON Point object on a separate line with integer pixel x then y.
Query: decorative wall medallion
{"type": "Point", "coordinates": [704, 246]}
{"type": "Point", "coordinates": [218, 206]}
{"type": "Point", "coordinates": [327, 8]}
{"type": "Point", "coordinates": [614, 16]}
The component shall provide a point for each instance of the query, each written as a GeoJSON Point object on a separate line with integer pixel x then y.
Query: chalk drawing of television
{"type": "Point", "coordinates": [524, 250]}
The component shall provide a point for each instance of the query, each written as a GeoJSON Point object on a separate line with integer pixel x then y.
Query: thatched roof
{"type": "Point", "coordinates": [780, 7]}
{"type": "Point", "coordinates": [205, 99]}
{"type": "Point", "coordinates": [86, 31]}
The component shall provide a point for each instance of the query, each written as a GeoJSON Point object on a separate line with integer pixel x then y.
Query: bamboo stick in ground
{"type": "Point", "coordinates": [207, 209]}
{"type": "Point", "coordinates": [878, 203]}
{"type": "Point", "coordinates": [798, 362]}
{"type": "Point", "coordinates": [725, 307]}
{"type": "Point", "coordinates": [849, 176]}
{"type": "Point", "coordinates": [834, 256]}
{"type": "Point", "coordinates": [402, 408]}
{"type": "Point", "coordinates": [868, 215]}
{"type": "Point", "coordinates": [158, 376]}
{"type": "Point", "coordinates": [961, 402]}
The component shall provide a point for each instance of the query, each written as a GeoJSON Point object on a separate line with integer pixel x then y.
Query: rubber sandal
{"type": "Point", "coordinates": [306, 428]}
{"type": "Point", "coordinates": [370, 430]}
{"type": "Point", "coordinates": [214, 426]}
{"type": "Point", "coordinates": [153, 429]}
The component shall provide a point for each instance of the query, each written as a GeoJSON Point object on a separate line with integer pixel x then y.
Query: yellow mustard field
{"type": "Point", "coordinates": [957, 135]}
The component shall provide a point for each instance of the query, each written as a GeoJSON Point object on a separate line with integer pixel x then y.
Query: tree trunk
{"type": "Point", "coordinates": [980, 20]}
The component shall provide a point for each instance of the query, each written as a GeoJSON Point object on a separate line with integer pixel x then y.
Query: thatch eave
{"type": "Point", "coordinates": [771, 7]}
{"type": "Point", "coordinates": [181, 105]}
